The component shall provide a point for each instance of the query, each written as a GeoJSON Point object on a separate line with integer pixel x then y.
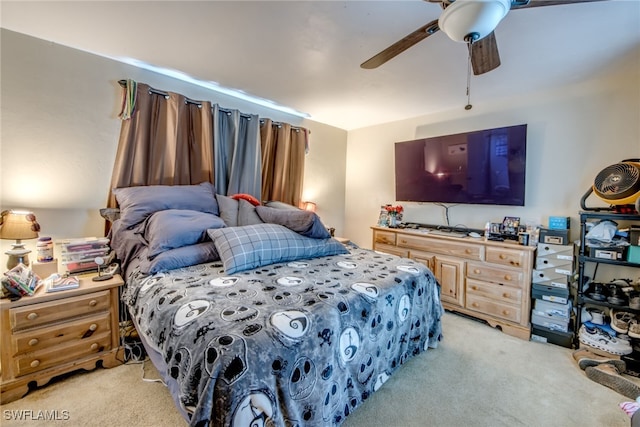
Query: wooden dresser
{"type": "Point", "coordinates": [484, 279]}
{"type": "Point", "coordinates": [49, 334]}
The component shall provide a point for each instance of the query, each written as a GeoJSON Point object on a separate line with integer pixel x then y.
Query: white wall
{"type": "Point", "coordinates": [60, 128]}
{"type": "Point", "coordinates": [572, 135]}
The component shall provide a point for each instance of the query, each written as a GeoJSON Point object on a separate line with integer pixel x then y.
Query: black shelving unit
{"type": "Point", "coordinates": [583, 259]}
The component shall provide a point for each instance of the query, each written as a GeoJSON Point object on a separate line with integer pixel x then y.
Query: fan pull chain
{"type": "Point", "coordinates": [469, 106]}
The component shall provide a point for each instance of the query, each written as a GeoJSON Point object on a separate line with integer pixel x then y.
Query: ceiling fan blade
{"type": "Point", "coordinates": [522, 4]}
{"type": "Point", "coordinates": [401, 45]}
{"type": "Point", "coordinates": [484, 54]}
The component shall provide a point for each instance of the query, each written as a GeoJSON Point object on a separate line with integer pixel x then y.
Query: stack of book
{"type": "Point", "coordinates": [79, 255]}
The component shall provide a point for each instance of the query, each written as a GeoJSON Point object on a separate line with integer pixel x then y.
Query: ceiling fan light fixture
{"type": "Point", "coordinates": [475, 19]}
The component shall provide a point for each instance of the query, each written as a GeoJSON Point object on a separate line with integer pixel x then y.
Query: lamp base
{"type": "Point", "coordinates": [17, 255]}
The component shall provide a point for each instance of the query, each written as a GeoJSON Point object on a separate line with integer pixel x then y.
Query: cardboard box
{"type": "Point", "coordinates": [555, 237]}
{"type": "Point", "coordinates": [559, 222]}
{"type": "Point", "coordinates": [540, 276]}
{"type": "Point", "coordinates": [614, 253]}
{"type": "Point", "coordinates": [633, 254]}
{"type": "Point", "coordinates": [554, 309]}
{"type": "Point", "coordinates": [547, 250]}
{"type": "Point", "coordinates": [550, 293]}
{"type": "Point", "coordinates": [558, 265]}
{"type": "Point", "coordinates": [553, 323]}
{"type": "Point", "coordinates": [542, 334]}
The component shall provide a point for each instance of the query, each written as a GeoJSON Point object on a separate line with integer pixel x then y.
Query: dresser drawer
{"type": "Point", "coordinates": [495, 274]}
{"type": "Point", "coordinates": [441, 246]}
{"type": "Point", "coordinates": [393, 250]}
{"type": "Point", "coordinates": [493, 291]}
{"type": "Point", "coordinates": [74, 350]}
{"type": "Point", "coordinates": [76, 329]}
{"type": "Point", "coordinates": [384, 237]}
{"type": "Point", "coordinates": [493, 308]}
{"type": "Point", "coordinates": [54, 311]}
{"type": "Point", "coordinates": [505, 256]}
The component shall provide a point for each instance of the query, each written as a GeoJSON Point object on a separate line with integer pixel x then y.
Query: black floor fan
{"type": "Point", "coordinates": [619, 186]}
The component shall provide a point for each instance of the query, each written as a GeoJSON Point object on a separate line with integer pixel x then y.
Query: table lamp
{"type": "Point", "coordinates": [18, 225]}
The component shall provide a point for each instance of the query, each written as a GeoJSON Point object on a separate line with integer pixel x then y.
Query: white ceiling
{"type": "Point", "coordinates": [306, 54]}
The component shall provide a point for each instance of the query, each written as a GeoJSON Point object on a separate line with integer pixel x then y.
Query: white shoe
{"type": "Point", "coordinates": [600, 339]}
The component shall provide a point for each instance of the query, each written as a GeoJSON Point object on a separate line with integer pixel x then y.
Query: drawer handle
{"type": "Point", "coordinates": [503, 256]}
{"type": "Point", "coordinates": [93, 327]}
{"type": "Point", "coordinates": [506, 312]}
{"type": "Point", "coordinates": [474, 287]}
{"type": "Point", "coordinates": [32, 316]}
{"type": "Point", "coordinates": [475, 304]}
{"type": "Point", "coordinates": [467, 251]}
{"type": "Point", "coordinates": [507, 277]}
{"type": "Point", "coordinates": [476, 271]}
{"type": "Point", "coordinates": [516, 263]}
{"type": "Point", "coordinates": [93, 303]}
{"type": "Point", "coordinates": [94, 346]}
{"type": "Point", "coordinates": [35, 363]}
{"type": "Point", "coordinates": [33, 341]}
{"type": "Point", "coordinates": [506, 295]}
{"type": "Point", "coordinates": [403, 241]}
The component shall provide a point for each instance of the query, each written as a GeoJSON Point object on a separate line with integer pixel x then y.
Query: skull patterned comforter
{"type": "Point", "coordinates": [293, 343]}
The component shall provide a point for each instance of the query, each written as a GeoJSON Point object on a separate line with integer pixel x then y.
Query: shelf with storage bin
{"type": "Point", "coordinates": [584, 259]}
{"type": "Point", "coordinates": [49, 334]}
{"type": "Point", "coordinates": [488, 280]}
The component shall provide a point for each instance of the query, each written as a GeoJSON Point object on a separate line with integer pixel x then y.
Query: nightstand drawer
{"type": "Point", "coordinates": [53, 356]}
{"type": "Point", "coordinates": [54, 311]}
{"type": "Point", "coordinates": [40, 338]}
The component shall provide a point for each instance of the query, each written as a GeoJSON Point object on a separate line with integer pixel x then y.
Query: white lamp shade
{"type": "Point", "coordinates": [466, 17]}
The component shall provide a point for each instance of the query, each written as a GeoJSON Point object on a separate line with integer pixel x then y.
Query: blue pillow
{"type": "Point", "coordinates": [251, 246]}
{"type": "Point", "coordinates": [180, 257]}
{"type": "Point", "coordinates": [304, 222]}
{"type": "Point", "coordinates": [137, 203]}
{"type": "Point", "coordinates": [175, 228]}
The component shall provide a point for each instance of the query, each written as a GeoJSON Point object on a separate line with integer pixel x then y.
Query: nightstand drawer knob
{"type": "Point", "coordinates": [94, 346]}
{"type": "Point", "coordinates": [32, 316]}
{"type": "Point", "coordinates": [35, 363]}
{"type": "Point", "coordinates": [93, 327]}
{"type": "Point", "coordinates": [33, 341]}
{"type": "Point", "coordinates": [93, 303]}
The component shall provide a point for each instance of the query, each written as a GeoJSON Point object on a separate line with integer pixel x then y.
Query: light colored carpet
{"type": "Point", "coordinates": [477, 377]}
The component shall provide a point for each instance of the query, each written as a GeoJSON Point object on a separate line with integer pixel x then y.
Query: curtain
{"type": "Point", "coordinates": [168, 139]}
{"type": "Point", "coordinates": [283, 151]}
{"type": "Point", "coordinates": [236, 147]}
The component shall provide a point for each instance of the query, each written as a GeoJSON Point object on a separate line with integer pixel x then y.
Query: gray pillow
{"type": "Point", "coordinates": [228, 210]}
{"type": "Point", "coordinates": [247, 213]}
{"type": "Point", "coordinates": [304, 222]}
{"type": "Point", "coordinates": [251, 246]}
{"type": "Point", "coordinates": [175, 228]}
{"type": "Point", "coordinates": [137, 203]}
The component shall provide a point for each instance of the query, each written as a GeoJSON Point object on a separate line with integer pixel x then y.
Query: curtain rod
{"type": "Point", "coordinates": [123, 83]}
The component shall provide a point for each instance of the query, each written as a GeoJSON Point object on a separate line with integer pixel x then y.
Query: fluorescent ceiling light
{"type": "Point", "coordinates": [212, 86]}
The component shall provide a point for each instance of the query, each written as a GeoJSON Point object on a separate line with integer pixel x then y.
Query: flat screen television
{"type": "Point", "coordinates": [485, 167]}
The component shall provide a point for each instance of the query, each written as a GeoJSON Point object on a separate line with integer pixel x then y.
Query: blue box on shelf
{"type": "Point", "coordinates": [633, 254]}
{"type": "Point", "coordinates": [559, 222]}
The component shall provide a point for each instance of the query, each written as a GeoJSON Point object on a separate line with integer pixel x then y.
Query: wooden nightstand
{"type": "Point", "coordinates": [49, 334]}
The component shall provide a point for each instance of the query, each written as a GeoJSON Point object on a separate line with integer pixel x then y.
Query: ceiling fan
{"type": "Point", "coordinates": [469, 21]}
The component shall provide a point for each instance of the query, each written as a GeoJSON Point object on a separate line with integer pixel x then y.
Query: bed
{"type": "Point", "coordinates": [254, 315]}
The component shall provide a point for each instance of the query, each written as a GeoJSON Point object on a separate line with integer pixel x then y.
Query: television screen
{"type": "Point", "coordinates": [484, 167]}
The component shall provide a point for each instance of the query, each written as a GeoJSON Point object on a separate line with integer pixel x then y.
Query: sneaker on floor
{"type": "Point", "coordinates": [620, 321]}
{"type": "Point", "coordinates": [608, 376]}
{"type": "Point", "coordinates": [598, 338]}
{"type": "Point", "coordinates": [586, 358]}
{"type": "Point", "coordinates": [634, 328]}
